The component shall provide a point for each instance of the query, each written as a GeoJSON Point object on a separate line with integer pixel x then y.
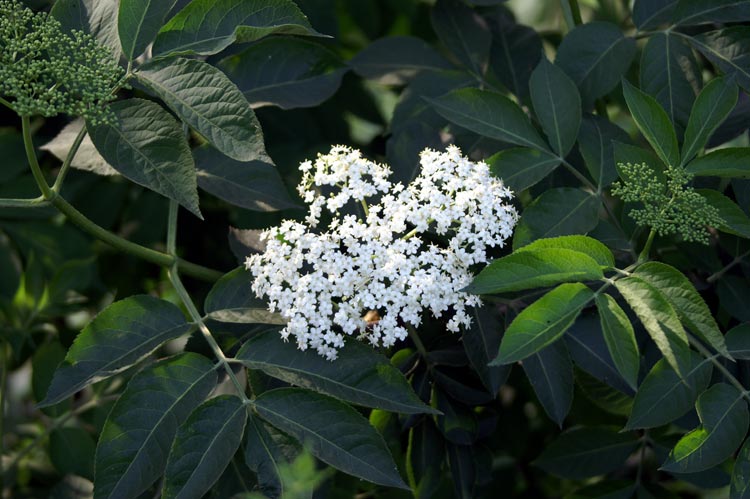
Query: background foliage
{"type": "Point", "coordinates": [633, 342]}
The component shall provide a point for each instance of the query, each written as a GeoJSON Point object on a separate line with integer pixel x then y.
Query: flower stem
{"type": "Point", "coordinates": [647, 247]}
{"type": "Point", "coordinates": [6, 103]}
{"type": "Point", "coordinates": [69, 159]}
{"type": "Point", "coordinates": [717, 275]}
{"type": "Point", "coordinates": [38, 202]}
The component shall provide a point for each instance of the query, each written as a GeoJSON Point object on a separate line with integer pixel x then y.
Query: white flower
{"type": "Point", "coordinates": [324, 280]}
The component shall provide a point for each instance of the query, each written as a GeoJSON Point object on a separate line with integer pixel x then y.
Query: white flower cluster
{"type": "Point", "coordinates": [374, 277]}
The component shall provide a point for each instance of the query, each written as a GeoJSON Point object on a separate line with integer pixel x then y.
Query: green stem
{"type": "Point", "coordinates": [722, 369]}
{"type": "Point", "coordinates": [575, 11]}
{"type": "Point", "coordinates": [69, 159]}
{"type": "Point", "coordinates": [174, 277]}
{"type": "Point", "coordinates": [365, 208]}
{"type": "Point", "coordinates": [36, 170]}
{"type": "Point", "coordinates": [417, 342]}
{"type": "Point", "coordinates": [580, 176]}
{"type": "Point", "coordinates": [39, 202]}
{"type": "Point", "coordinates": [6, 103]}
{"type": "Point", "coordinates": [647, 247]}
{"type": "Point", "coordinates": [717, 275]}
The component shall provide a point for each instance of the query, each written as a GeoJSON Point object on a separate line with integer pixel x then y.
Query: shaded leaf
{"type": "Point", "coordinates": [463, 470]}
{"type": "Point", "coordinates": [96, 17]}
{"type": "Point", "coordinates": [147, 145]}
{"type": "Point", "coordinates": [665, 396]}
{"type": "Point", "coordinates": [620, 338]}
{"type": "Point", "coordinates": [543, 322]}
{"type": "Point", "coordinates": [733, 294]}
{"type": "Point", "coordinates": [332, 431]}
{"type": "Point", "coordinates": [457, 422]}
{"type": "Point", "coordinates": [653, 122]}
{"type": "Point", "coordinates": [550, 373]}
{"type": "Point", "coordinates": [514, 53]}
{"type": "Point", "coordinates": [481, 342]}
{"type": "Point", "coordinates": [132, 450]}
{"type": "Point", "coordinates": [711, 108]}
{"type": "Point", "coordinates": [740, 488]}
{"type": "Point", "coordinates": [203, 447]}
{"type": "Point", "coordinates": [71, 451]}
{"type": "Point", "coordinates": [595, 142]}
{"type": "Point", "coordinates": [395, 60]}
{"type": "Point", "coordinates": [424, 458]}
{"type": "Point", "coordinates": [734, 219]}
{"type": "Point", "coordinates": [360, 375]}
{"type": "Point", "coordinates": [738, 341]}
{"type": "Point", "coordinates": [712, 11]}
{"type": "Point", "coordinates": [727, 49]}
{"type": "Point", "coordinates": [285, 72]}
{"type": "Point", "coordinates": [731, 162]}
{"type": "Point", "coordinates": [651, 13]}
{"type": "Point", "coordinates": [138, 22]}
{"type": "Point", "coordinates": [232, 300]}
{"type": "Point", "coordinates": [209, 26]}
{"type": "Point", "coordinates": [522, 167]}
{"type": "Point", "coordinates": [724, 421]}
{"type": "Point", "coordinates": [266, 452]}
{"type": "Point", "coordinates": [464, 32]}
{"type": "Point", "coordinates": [120, 336]}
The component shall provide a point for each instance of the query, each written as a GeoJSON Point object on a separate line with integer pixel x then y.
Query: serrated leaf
{"type": "Point", "coordinates": [535, 268]}
{"type": "Point", "coordinates": [203, 447]}
{"type": "Point", "coordinates": [595, 55]}
{"type": "Point", "coordinates": [740, 487]}
{"type": "Point", "coordinates": [595, 142]}
{"type": "Point", "coordinates": [147, 145]}
{"type": "Point", "coordinates": [266, 452]}
{"type": "Point", "coordinates": [204, 98]}
{"type": "Point", "coordinates": [557, 104]}
{"type": "Point", "coordinates": [332, 431]}
{"type": "Point", "coordinates": [120, 336]}
{"type": "Point", "coordinates": [522, 167]}
{"type": "Point", "coordinates": [253, 185]}
{"type": "Point", "coordinates": [687, 302]}
{"type": "Point", "coordinates": [232, 300]}
{"type": "Point", "coordinates": [724, 420]}
{"type": "Point", "coordinates": [207, 27]}
{"type": "Point", "coordinates": [582, 244]}
{"type": "Point", "coordinates": [489, 114]}
{"type": "Point", "coordinates": [543, 322]}
{"type": "Point", "coordinates": [587, 451]}
{"type": "Point", "coordinates": [728, 50]}
{"type": "Point", "coordinates": [711, 108]}
{"type": "Point", "coordinates": [285, 72]}
{"type": "Point", "coordinates": [138, 22]}
{"type": "Point", "coordinates": [132, 450]}
{"type": "Point", "coordinates": [734, 220]}
{"type": "Point", "coordinates": [550, 373]}
{"type": "Point", "coordinates": [96, 17]}
{"type": "Point", "coordinates": [738, 341]}
{"type": "Point", "coordinates": [730, 162]}
{"type": "Point", "coordinates": [659, 318]}
{"type": "Point", "coordinates": [464, 32]}
{"type": "Point", "coordinates": [690, 12]}
{"type": "Point", "coordinates": [653, 122]}
{"type": "Point", "coordinates": [670, 74]}
{"type": "Point", "coordinates": [481, 341]}
{"type": "Point", "coordinates": [360, 375]}
{"type": "Point", "coordinates": [620, 338]}
{"type": "Point", "coordinates": [557, 212]}
{"type": "Point", "coordinates": [395, 60]}
{"type": "Point", "coordinates": [664, 396]}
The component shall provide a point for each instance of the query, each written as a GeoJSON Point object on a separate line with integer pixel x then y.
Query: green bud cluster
{"type": "Point", "coordinates": [45, 71]}
{"type": "Point", "coordinates": [670, 205]}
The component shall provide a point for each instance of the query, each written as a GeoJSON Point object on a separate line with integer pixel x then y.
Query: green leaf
{"type": "Point", "coordinates": [625, 153]}
{"type": "Point", "coordinates": [424, 459]}
{"type": "Point", "coordinates": [670, 74]}
{"type": "Point", "coordinates": [595, 55]}
{"type": "Point", "coordinates": [620, 338]}
{"type": "Point", "coordinates": [45, 360]}
{"type": "Point", "coordinates": [738, 341]}
{"type": "Point", "coordinates": [587, 451]}
{"type": "Point", "coordinates": [582, 244]}
{"type": "Point", "coordinates": [253, 185]}
{"type": "Point", "coordinates": [659, 318]}
{"type": "Point", "coordinates": [649, 14]}
{"type": "Point", "coordinates": [207, 27]}
{"type": "Point", "coordinates": [728, 49]}
{"type": "Point", "coordinates": [96, 17]}
{"type": "Point", "coordinates": [557, 104]}
{"type": "Point", "coordinates": [550, 372]}
{"type": "Point", "coordinates": [690, 12]}
{"type": "Point", "coordinates": [285, 72]}
{"type": "Point", "coordinates": [734, 219]}
{"type": "Point", "coordinates": [138, 22]}
{"type": "Point", "coordinates": [233, 300]}
{"type": "Point", "coordinates": [733, 294]}
{"type": "Point", "coordinates": [360, 375]}
{"type": "Point", "coordinates": [653, 122]}
{"type": "Point", "coordinates": [463, 470]}
{"type": "Point", "coordinates": [535, 269]}
{"type": "Point", "coordinates": [71, 451]}
{"type": "Point", "coordinates": [464, 32]}
{"type": "Point", "coordinates": [204, 98]}
{"type": "Point", "coordinates": [514, 53]}
{"type": "Point", "coordinates": [724, 420]}
{"type": "Point", "coordinates": [595, 142]}
{"type": "Point", "coordinates": [266, 451]}
{"type": "Point", "coordinates": [664, 396]}
{"type": "Point", "coordinates": [740, 487]}
{"type": "Point", "coordinates": [395, 60]}
{"type": "Point", "coordinates": [522, 167]}
{"type": "Point", "coordinates": [731, 162]}
{"type": "Point", "coordinates": [557, 212]}
{"type": "Point", "coordinates": [203, 447]}
{"type": "Point", "coordinates": [120, 336]}
{"type": "Point", "coordinates": [711, 108]}
{"type": "Point", "coordinates": [687, 302]}
{"type": "Point", "coordinates": [481, 342]}
{"type": "Point", "coordinates": [457, 422]}
{"type": "Point", "coordinates": [543, 322]}
{"type": "Point", "coordinates": [602, 394]}
{"type": "Point", "coordinates": [132, 450]}
{"type": "Point", "coordinates": [147, 145]}
{"type": "Point", "coordinates": [489, 114]}
{"type": "Point", "coordinates": [332, 431]}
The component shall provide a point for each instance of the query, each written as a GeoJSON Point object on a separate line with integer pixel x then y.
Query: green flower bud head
{"type": "Point", "coordinates": [670, 205]}
{"type": "Point", "coordinates": [45, 71]}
